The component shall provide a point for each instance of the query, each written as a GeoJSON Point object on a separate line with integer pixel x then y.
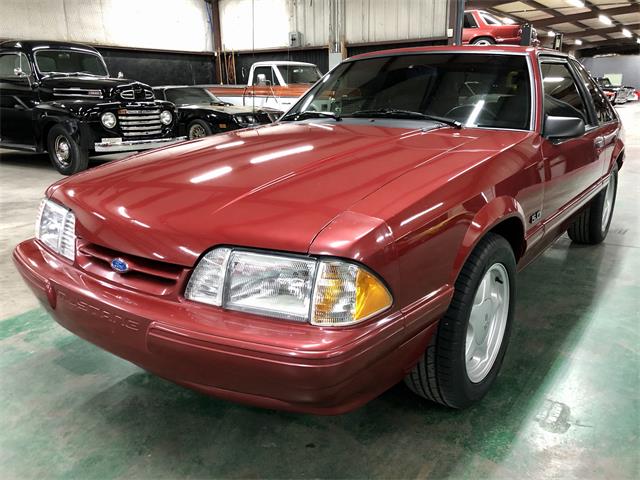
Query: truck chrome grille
{"type": "Point", "coordinates": [140, 122]}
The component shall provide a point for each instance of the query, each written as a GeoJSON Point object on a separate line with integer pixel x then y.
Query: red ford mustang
{"type": "Point", "coordinates": [372, 234]}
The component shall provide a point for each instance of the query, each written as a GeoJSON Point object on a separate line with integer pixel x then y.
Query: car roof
{"type": "Point", "coordinates": [34, 44]}
{"type": "Point", "coordinates": [281, 62]}
{"type": "Point", "coordinates": [493, 49]}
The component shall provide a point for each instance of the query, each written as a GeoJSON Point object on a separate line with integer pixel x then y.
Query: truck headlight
{"type": "Point", "coordinates": [321, 292]}
{"type": "Point", "coordinates": [56, 228]}
{"type": "Point", "coordinates": [108, 119]}
{"type": "Point", "coordinates": [166, 117]}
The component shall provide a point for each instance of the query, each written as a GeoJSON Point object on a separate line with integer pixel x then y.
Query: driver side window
{"type": "Point", "coordinates": [9, 62]}
{"type": "Point", "coordinates": [561, 95]}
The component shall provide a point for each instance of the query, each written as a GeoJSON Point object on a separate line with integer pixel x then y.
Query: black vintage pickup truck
{"type": "Point", "coordinates": [58, 97]}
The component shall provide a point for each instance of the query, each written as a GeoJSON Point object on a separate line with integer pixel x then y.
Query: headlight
{"type": "Point", "coordinates": [246, 119]}
{"type": "Point", "coordinates": [321, 292]}
{"type": "Point", "coordinates": [108, 119]}
{"type": "Point", "coordinates": [56, 228]}
{"type": "Point", "coordinates": [166, 117]}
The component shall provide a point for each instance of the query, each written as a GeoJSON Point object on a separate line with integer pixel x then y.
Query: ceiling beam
{"type": "Point", "coordinates": [609, 41]}
{"type": "Point", "coordinates": [585, 16]}
{"type": "Point", "coordinates": [599, 31]}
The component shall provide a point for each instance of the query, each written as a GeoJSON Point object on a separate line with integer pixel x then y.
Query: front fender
{"type": "Point", "coordinates": [488, 217]}
{"type": "Point", "coordinates": [49, 114]}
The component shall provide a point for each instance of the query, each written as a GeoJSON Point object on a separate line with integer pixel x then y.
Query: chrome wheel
{"type": "Point", "coordinates": [197, 131]}
{"type": "Point", "coordinates": [487, 322]}
{"type": "Point", "coordinates": [607, 208]}
{"type": "Point", "coordinates": [61, 150]}
{"type": "Point", "coordinates": [483, 43]}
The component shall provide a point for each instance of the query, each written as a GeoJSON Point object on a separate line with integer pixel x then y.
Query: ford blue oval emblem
{"type": "Point", "coordinates": [119, 265]}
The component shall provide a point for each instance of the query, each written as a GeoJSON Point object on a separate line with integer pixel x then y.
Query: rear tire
{"type": "Point", "coordinates": [65, 153]}
{"type": "Point", "coordinates": [448, 373]}
{"type": "Point", "coordinates": [480, 41]}
{"type": "Point", "coordinates": [198, 129]}
{"type": "Point", "coordinates": [592, 224]}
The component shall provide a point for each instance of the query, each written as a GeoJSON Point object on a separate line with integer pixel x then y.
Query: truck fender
{"type": "Point", "coordinates": [48, 116]}
{"type": "Point", "coordinates": [487, 218]}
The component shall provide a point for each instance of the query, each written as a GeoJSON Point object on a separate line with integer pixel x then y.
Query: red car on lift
{"type": "Point", "coordinates": [483, 28]}
{"type": "Point", "coordinates": [372, 234]}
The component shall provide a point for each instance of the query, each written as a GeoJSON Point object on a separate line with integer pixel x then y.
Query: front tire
{"type": "Point", "coordinates": [465, 354]}
{"type": "Point", "coordinates": [65, 153]}
{"type": "Point", "coordinates": [198, 129]}
{"type": "Point", "coordinates": [592, 225]}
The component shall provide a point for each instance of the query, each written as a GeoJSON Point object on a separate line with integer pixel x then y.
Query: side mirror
{"type": "Point", "coordinates": [120, 75]}
{"type": "Point", "coordinates": [560, 128]}
{"type": "Point", "coordinates": [262, 79]}
{"type": "Point", "coordinates": [18, 72]}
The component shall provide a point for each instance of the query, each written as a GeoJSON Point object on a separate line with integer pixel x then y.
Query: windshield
{"type": "Point", "coordinates": [70, 61]}
{"type": "Point", "coordinates": [184, 96]}
{"type": "Point", "coordinates": [473, 89]}
{"type": "Point", "coordinates": [299, 73]}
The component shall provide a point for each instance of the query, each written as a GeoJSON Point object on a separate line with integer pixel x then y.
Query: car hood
{"type": "Point", "coordinates": [84, 81]}
{"type": "Point", "coordinates": [274, 187]}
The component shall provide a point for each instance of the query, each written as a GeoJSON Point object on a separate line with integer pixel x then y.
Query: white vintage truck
{"type": "Point", "coordinates": [275, 84]}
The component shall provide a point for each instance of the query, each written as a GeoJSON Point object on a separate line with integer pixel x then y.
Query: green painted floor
{"type": "Point", "coordinates": [566, 405]}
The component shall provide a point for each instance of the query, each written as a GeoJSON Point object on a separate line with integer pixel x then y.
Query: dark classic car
{"type": "Point", "coordinates": [58, 97]}
{"type": "Point", "coordinates": [201, 113]}
{"type": "Point", "coordinates": [373, 233]}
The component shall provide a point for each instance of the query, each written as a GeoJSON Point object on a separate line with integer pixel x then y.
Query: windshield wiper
{"type": "Point", "coordinates": [311, 114]}
{"type": "Point", "coordinates": [398, 113]}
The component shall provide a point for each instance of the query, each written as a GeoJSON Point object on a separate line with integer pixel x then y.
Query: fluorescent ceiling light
{"type": "Point", "coordinates": [551, 33]}
{"type": "Point", "coordinates": [626, 33]}
{"type": "Point", "coordinates": [576, 3]}
{"type": "Point", "coordinates": [637, 40]}
{"type": "Point", "coordinates": [604, 19]}
{"type": "Point", "coordinates": [578, 41]}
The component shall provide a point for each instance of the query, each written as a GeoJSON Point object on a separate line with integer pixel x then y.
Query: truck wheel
{"type": "Point", "coordinates": [483, 41]}
{"type": "Point", "coordinates": [465, 354]}
{"type": "Point", "coordinates": [65, 153]}
{"type": "Point", "coordinates": [198, 129]}
{"type": "Point", "coordinates": [592, 225]}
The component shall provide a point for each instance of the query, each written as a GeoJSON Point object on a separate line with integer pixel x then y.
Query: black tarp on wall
{"type": "Point", "coordinates": [160, 68]}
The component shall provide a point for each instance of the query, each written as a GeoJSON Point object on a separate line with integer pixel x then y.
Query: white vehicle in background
{"type": "Point", "coordinates": [274, 84]}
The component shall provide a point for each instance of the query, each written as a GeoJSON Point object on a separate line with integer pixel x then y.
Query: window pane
{"type": "Point", "coordinates": [266, 71]}
{"type": "Point", "coordinates": [469, 21]}
{"type": "Point", "coordinates": [475, 89]}
{"type": "Point", "coordinates": [68, 61]}
{"type": "Point", "coordinates": [299, 73]}
{"type": "Point", "coordinates": [602, 106]}
{"type": "Point", "coordinates": [561, 95]}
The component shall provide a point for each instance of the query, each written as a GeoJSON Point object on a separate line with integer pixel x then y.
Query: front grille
{"type": "Point", "coordinates": [151, 276]}
{"type": "Point", "coordinates": [139, 122]}
{"type": "Point", "coordinates": [131, 94]}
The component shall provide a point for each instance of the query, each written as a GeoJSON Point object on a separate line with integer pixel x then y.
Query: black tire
{"type": "Point", "coordinates": [77, 158]}
{"type": "Point", "coordinates": [441, 373]}
{"type": "Point", "coordinates": [198, 125]}
{"type": "Point", "coordinates": [482, 40]}
{"type": "Point", "coordinates": [589, 227]}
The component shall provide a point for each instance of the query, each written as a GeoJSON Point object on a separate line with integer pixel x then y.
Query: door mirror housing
{"type": "Point", "coordinates": [120, 75]}
{"type": "Point", "coordinates": [561, 128]}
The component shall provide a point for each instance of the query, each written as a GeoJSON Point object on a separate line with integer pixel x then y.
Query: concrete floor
{"type": "Point", "coordinates": [566, 405]}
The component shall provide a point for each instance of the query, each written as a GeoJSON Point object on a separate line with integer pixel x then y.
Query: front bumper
{"type": "Point", "coordinates": [134, 145]}
{"type": "Point", "coordinates": [246, 358]}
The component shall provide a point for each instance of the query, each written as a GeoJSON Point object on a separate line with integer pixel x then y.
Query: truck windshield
{"type": "Point", "coordinates": [70, 61]}
{"type": "Point", "coordinates": [483, 90]}
{"type": "Point", "coordinates": [299, 73]}
{"type": "Point", "coordinates": [184, 96]}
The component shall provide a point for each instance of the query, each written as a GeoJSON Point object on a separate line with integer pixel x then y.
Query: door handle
{"type": "Point", "coordinates": [599, 142]}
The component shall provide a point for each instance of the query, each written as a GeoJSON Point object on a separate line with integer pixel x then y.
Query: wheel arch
{"type": "Point", "coordinates": [504, 216]}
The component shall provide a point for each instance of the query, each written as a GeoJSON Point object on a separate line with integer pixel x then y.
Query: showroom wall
{"type": "Point", "coordinates": [627, 65]}
{"type": "Point", "coordinates": [140, 30]}
{"type": "Point", "coordinates": [364, 21]}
